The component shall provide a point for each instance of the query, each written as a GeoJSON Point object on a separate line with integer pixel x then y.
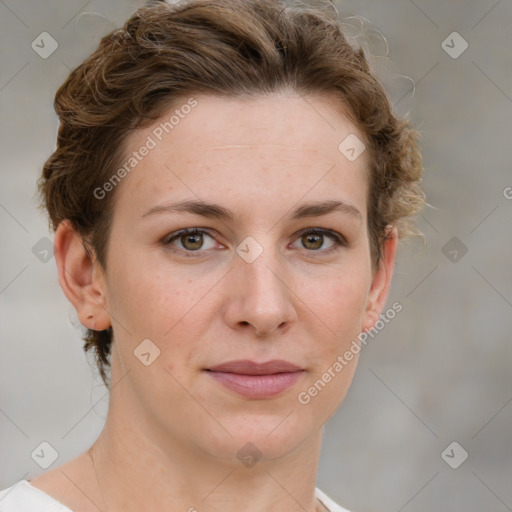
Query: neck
{"type": "Point", "coordinates": [139, 467]}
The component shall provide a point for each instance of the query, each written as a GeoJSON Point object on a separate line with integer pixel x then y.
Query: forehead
{"type": "Point", "coordinates": [255, 149]}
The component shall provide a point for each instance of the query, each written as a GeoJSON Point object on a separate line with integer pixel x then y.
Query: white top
{"type": "Point", "coordinates": [24, 497]}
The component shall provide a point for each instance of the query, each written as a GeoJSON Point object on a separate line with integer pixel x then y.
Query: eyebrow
{"type": "Point", "coordinates": [215, 211]}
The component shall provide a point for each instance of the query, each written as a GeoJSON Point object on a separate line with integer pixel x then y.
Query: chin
{"type": "Point", "coordinates": [260, 438]}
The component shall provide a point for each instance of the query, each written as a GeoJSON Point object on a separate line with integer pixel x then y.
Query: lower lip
{"type": "Point", "coordinates": [257, 386]}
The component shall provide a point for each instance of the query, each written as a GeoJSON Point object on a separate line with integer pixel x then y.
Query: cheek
{"type": "Point", "coordinates": [156, 301]}
{"type": "Point", "coordinates": [340, 301]}
{"type": "Point", "coordinates": [339, 310]}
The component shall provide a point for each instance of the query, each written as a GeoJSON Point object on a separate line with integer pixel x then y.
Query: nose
{"type": "Point", "coordinates": [260, 296]}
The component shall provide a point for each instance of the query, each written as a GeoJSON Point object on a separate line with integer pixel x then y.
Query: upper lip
{"type": "Point", "coordinates": [247, 367]}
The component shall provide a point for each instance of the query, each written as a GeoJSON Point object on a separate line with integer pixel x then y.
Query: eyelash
{"type": "Point", "coordinates": [338, 239]}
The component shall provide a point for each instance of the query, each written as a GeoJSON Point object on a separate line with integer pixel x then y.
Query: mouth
{"type": "Point", "coordinates": [256, 380]}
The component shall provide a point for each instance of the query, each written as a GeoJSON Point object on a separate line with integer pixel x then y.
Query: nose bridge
{"type": "Point", "coordinates": [260, 274]}
{"type": "Point", "coordinates": [261, 296]}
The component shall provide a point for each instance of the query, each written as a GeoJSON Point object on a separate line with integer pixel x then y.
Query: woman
{"type": "Point", "coordinates": [228, 191]}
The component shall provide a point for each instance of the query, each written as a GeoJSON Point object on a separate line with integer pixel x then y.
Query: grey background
{"type": "Point", "coordinates": [438, 373]}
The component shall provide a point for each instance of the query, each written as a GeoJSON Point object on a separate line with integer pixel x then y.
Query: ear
{"type": "Point", "coordinates": [81, 278]}
{"type": "Point", "coordinates": [381, 281]}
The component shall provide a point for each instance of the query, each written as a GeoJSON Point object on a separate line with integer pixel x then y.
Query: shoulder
{"type": "Point", "coordinates": [23, 497]}
{"type": "Point", "coordinates": [328, 502]}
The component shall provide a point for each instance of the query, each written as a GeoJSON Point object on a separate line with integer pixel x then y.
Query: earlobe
{"type": "Point", "coordinates": [79, 279]}
{"type": "Point", "coordinates": [381, 281]}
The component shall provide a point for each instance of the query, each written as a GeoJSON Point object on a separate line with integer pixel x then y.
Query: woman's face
{"type": "Point", "coordinates": [256, 283]}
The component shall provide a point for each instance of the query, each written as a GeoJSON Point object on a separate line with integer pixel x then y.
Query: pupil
{"type": "Point", "coordinates": [313, 239]}
{"type": "Point", "coordinates": [196, 241]}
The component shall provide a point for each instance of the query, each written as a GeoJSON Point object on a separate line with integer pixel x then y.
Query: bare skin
{"type": "Point", "coordinates": [172, 434]}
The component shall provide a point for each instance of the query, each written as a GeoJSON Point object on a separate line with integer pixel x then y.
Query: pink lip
{"type": "Point", "coordinates": [257, 380]}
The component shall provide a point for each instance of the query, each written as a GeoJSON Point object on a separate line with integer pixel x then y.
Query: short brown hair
{"type": "Point", "coordinates": [220, 47]}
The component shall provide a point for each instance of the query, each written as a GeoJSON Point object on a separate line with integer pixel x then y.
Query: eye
{"type": "Point", "coordinates": [313, 240]}
{"type": "Point", "coordinates": [189, 240]}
